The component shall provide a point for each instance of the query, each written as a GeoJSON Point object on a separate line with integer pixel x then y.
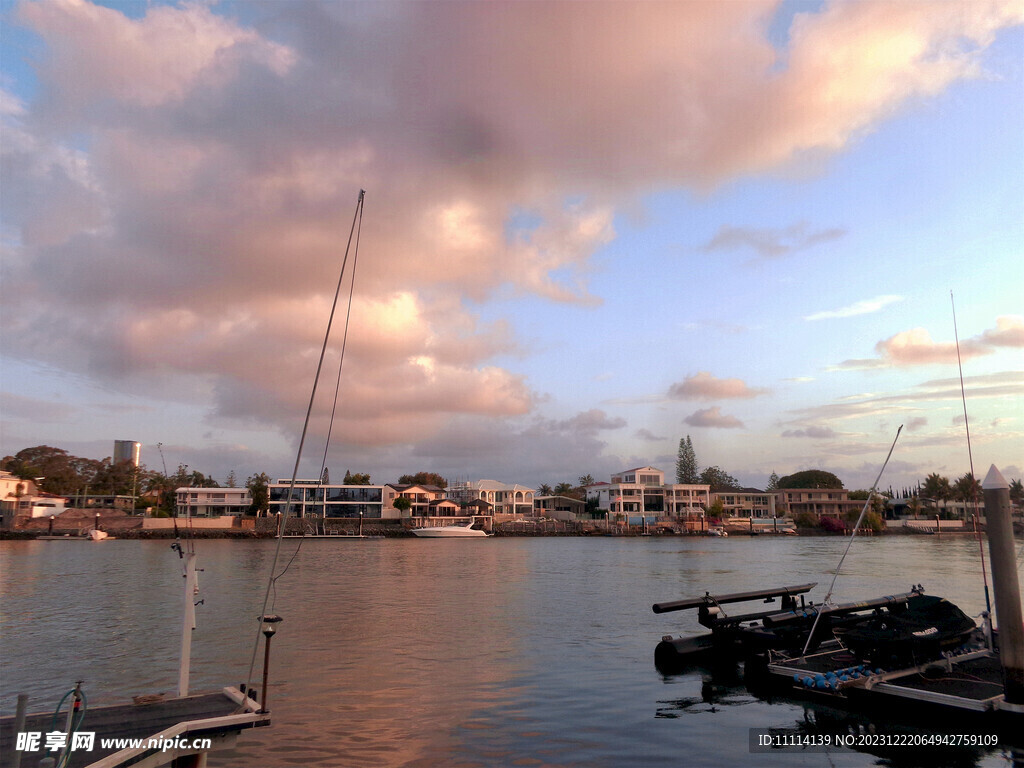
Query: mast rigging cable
{"type": "Point", "coordinates": [356, 218]}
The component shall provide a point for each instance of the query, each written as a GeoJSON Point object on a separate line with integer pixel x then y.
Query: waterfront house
{"type": "Point", "coordinates": [420, 496]}
{"type": "Point", "coordinates": [429, 502]}
{"type": "Point", "coordinates": [212, 502]}
{"type": "Point", "coordinates": [564, 508]}
{"type": "Point", "coordinates": [506, 500]}
{"type": "Point", "coordinates": [821, 502]}
{"type": "Point", "coordinates": [16, 496]}
{"type": "Point", "coordinates": [746, 503]}
{"type": "Point", "coordinates": [643, 492]}
{"type": "Point", "coordinates": [20, 498]}
{"type": "Point", "coordinates": [314, 498]}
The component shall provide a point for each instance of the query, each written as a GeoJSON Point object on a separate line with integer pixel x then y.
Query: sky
{"type": "Point", "coordinates": [590, 229]}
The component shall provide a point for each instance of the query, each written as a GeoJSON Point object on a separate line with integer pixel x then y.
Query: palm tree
{"type": "Point", "coordinates": [1016, 492]}
{"type": "Point", "coordinates": [937, 488]}
{"type": "Point", "coordinates": [562, 489]}
{"type": "Point", "coordinates": [967, 488]}
{"type": "Point", "coordinates": [914, 505]}
{"type": "Point", "coordinates": [544, 490]}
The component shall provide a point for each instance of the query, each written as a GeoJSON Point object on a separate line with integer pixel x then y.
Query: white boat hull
{"type": "Point", "coordinates": [449, 532]}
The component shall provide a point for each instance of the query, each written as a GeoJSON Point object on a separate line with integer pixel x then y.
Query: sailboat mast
{"type": "Point", "coordinates": [188, 623]}
{"type": "Point", "coordinates": [970, 459]}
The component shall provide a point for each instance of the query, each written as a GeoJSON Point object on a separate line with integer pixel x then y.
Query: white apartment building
{"type": "Point", "coordinates": [642, 491]}
{"type": "Point", "coordinates": [16, 494]}
{"type": "Point", "coordinates": [212, 502]}
{"type": "Point", "coordinates": [22, 498]}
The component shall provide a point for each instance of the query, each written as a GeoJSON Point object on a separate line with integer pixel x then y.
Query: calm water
{"type": "Point", "coordinates": [496, 652]}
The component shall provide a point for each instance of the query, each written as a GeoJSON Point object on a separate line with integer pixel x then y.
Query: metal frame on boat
{"type": "Point", "coordinates": [910, 653]}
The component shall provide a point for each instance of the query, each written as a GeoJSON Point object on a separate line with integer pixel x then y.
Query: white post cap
{"type": "Point", "coordinates": [994, 480]}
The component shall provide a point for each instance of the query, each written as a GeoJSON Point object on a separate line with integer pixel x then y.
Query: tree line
{"type": "Point", "coordinates": [56, 471]}
{"type": "Point", "coordinates": [935, 487]}
{"type": "Point", "coordinates": [63, 474]}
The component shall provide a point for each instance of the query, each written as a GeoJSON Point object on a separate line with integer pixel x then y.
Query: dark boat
{"type": "Point", "coordinates": [919, 630]}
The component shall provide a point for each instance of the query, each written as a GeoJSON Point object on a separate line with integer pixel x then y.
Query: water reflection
{"type": "Point", "coordinates": [438, 653]}
{"type": "Point", "coordinates": [389, 649]}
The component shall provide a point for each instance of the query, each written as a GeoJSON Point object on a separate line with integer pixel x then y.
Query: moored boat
{"type": "Point", "coordinates": [450, 532]}
{"type": "Point", "coordinates": [927, 626]}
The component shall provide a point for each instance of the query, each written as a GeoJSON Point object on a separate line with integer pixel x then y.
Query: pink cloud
{"type": "Point", "coordinates": [99, 53]}
{"type": "Point", "coordinates": [916, 346]}
{"type": "Point", "coordinates": [713, 418]}
{"type": "Point", "coordinates": [1009, 332]}
{"type": "Point", "coordinates": [704, 386]}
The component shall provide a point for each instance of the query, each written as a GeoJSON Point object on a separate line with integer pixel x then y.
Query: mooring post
{"type": "Point", "coordinates": [1004, 581]}
{"type": "Point", "coordinates": [19, 726]}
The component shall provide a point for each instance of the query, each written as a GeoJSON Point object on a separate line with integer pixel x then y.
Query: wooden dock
{"type": "Point", "coordinates": [971, 681]}
{"type": "Point", "coordinates": [220, 717]}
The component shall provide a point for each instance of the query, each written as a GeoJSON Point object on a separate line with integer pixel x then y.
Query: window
{"type": "Point", "coordinates": [281, 493]}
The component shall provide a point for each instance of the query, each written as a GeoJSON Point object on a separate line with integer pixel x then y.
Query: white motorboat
{"type": "Point", "coordinates": [450, 531]}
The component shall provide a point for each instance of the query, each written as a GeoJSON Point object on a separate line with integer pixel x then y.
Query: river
{"type": "Point", "coordinates": [482, 652]}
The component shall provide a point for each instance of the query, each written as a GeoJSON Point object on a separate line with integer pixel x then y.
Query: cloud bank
{"type": "Point", "coordinates": [178, 190]}
{"type": "Point", "coordinates": [770, 243]}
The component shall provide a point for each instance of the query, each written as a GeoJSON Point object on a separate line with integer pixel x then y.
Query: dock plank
{"type": "Point", "coordinates": [122, 721]}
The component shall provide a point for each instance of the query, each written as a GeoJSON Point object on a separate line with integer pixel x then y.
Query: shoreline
{"type": "Point", "coordinates": [390, 532]}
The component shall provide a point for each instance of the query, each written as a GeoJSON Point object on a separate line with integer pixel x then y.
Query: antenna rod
{"type": "Point", "coordinates": [970, 458]}
{"type": "Point", "coordinates": [864, 511]}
